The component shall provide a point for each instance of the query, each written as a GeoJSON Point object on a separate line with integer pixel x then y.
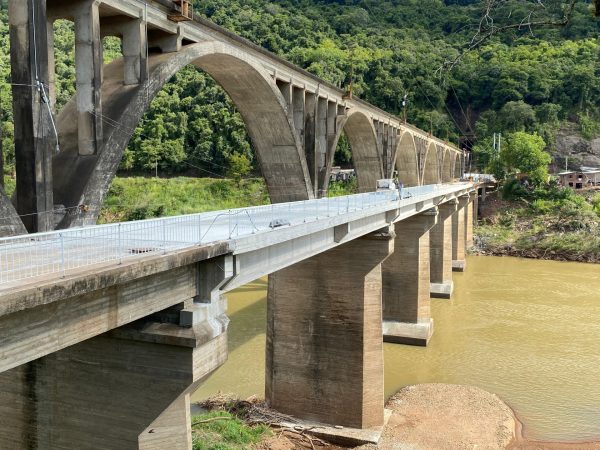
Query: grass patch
{"type": "Point", "coordinates": [228, 434]}
{"type": "Point", "coordinates": [339, 188]}
{"type": "Point", "coordinates": [137, 198]}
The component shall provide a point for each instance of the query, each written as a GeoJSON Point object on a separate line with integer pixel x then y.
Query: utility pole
{"type": "Point", "coordinates": [566, 164]}
{"type": "Point", "coordinates": [499, 145]}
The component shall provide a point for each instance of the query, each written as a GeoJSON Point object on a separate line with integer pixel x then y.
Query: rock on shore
{"type": "Point", "coordinates": [443, 416]}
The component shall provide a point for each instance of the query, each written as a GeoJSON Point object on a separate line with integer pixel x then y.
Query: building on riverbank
{"type": "Point", "coordinates": [586, 177]}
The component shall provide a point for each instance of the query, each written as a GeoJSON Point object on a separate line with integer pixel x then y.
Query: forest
{"type": "Point", "coordinates": [532, 80]}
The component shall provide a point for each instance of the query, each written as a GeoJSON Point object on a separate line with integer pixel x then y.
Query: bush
{"type": "Point", "coordinates": [596, 203]}
{"type": "Point", "coordinates": [513, 189]}
{"type": "Point", "coordinates": [230, 433]}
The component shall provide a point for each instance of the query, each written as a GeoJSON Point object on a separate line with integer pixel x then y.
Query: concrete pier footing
{"type": "Point", "coordinates": [324, 335]}
{"type": "Point", "coordinates": [406, 285]}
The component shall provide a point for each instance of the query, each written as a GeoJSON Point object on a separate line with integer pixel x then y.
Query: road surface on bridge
{"type": "Point", "coordinates": [63, 252]}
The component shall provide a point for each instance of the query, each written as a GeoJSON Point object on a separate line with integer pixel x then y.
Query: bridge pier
{"type": "Point", "coordinates": [470, 220]}
{"type": "Point", "coordinates": [324, 336]}
{"type": "Point", "coordinates": [406, 283]}
{"type": "Point", "coordinates": [126, 389]}
{"type": "Point", "coordinates": [459, 235]}
{"type": "Point", "coordinates": [441, 252]}
{"type": "Point", "coordinates": [34, 138]}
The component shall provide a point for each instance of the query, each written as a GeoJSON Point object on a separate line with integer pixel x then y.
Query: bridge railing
{"type": "Point", "coordinates": [58, 252]}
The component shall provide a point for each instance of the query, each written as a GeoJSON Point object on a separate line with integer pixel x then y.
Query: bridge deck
{"type": "Point", "coordinates": [64, 252]}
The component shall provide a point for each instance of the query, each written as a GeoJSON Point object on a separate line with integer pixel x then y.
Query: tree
{"type": "Point", "coordinates": [516, 116]}
{"type": "Point", "coordinates": [239, 166]}
{"type": "Point", "coordinates": [525, 153]}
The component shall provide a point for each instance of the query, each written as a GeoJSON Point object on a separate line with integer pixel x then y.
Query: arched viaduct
{"type": "Point", "coordinates": [294, 119]}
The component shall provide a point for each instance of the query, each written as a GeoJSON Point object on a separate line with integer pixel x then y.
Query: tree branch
{"type": "Point", "coordinates": [488, 28]}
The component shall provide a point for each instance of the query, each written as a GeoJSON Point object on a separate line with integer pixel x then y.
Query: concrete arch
{"type": "Point", "coordinates": [431, 165]}
{"type": "Point", "coordinates": [458, 164]}
{"type": "Point", "coordinates": [363, 142]}
{"type": "Point", "coordinates": [448, 166]}
{"type": "Point", "coordinates": [407, 160]}
{"type": "Point", "coordinates": [85, 180]}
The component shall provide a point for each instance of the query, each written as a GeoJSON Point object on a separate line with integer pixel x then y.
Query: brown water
{"type": "Point", "coordinates": [526, 330]}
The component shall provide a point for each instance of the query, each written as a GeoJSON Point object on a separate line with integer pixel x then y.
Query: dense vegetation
{"type": "Point", "coordinates": [547, 223]}
{"type": "Point", "coordinates": [135, 198]}
{"type": "Point", "coordinates": [516, 81]}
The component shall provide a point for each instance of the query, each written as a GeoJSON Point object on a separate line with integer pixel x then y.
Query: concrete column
{"type": "Point", "coordinates": [298, 107]}
{"type": "Point", "coordinates": [34, 136]}
{"type": "Point", "coordinates": [286, 92]}
{"type": "Point", "coordinates": [406, 283]}
{"type": "Point", "coordinates": [321, 146]}
{"type": "Point", "coordinates": [469, 220]}
{"type": "Point", "coordinates": [441, 252]}
{"type": "Point", "coordinates": [88, 77]}
{"type": "Point", "coordinates": [459, 262]}
{"type": "Point", "coordinates": [51, 64]}
{"type": "Point", "coordinates": [134, 52]}
{"type": "Point", "coordinates": [310, 119]}
{"type": "Point", "coordinates": [324, 338]}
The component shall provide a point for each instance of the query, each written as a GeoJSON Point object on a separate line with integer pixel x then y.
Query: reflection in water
{"type": "Point", "coordinates": [526, 330]}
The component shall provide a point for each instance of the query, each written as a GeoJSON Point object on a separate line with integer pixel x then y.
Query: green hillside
{"type": "Point", "coordinates": [531, 80]}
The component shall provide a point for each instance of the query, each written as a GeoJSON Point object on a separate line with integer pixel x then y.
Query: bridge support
{"type": "Point", "coordinates": [34, 137]}
{"type": "Point", "coordinates": [459, 235]}
{"type": "Point", "coordinates": [406, 282]}
{"type": "Point", "coordinates": [441, 252]}
{"type": "Point", "coordinates": [470, 220]}
{"type": "Point", "coordinates": [88, 77]}
{"type": "Point", "coordinates": [126, 389]}
{"type": "Point", "coordinates": [324, 337]}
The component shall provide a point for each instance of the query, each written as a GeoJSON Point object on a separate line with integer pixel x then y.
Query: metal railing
{"type": "Point", "coordinates": [58, 252]}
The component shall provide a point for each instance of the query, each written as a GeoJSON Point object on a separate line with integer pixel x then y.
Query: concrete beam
{"type": "Point", "coordinates": [441, 252]}
{"type": "Point", "coordinates": [50, 315]}
{"type": "Point", "coordinates": [324, 336]}
{"type": "Point", "coordinates": [406, 283]}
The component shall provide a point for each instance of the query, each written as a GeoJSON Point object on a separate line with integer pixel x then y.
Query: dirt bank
{"type": "Point", "coordinates": [427, 417]}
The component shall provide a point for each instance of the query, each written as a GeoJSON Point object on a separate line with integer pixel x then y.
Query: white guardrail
{"type": "Point", "coordinates": [58, 252]}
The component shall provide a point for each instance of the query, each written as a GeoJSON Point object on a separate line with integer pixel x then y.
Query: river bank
{"type": "Point", "coordinates": [565, 229]}
{"type": "Point", "coordinates": [423, 417]}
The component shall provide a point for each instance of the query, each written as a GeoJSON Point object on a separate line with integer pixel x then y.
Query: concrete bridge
{"type": "Point", "coordinates": [106, 330]}
{"type": "Point", "coordinates": [293, 118]}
